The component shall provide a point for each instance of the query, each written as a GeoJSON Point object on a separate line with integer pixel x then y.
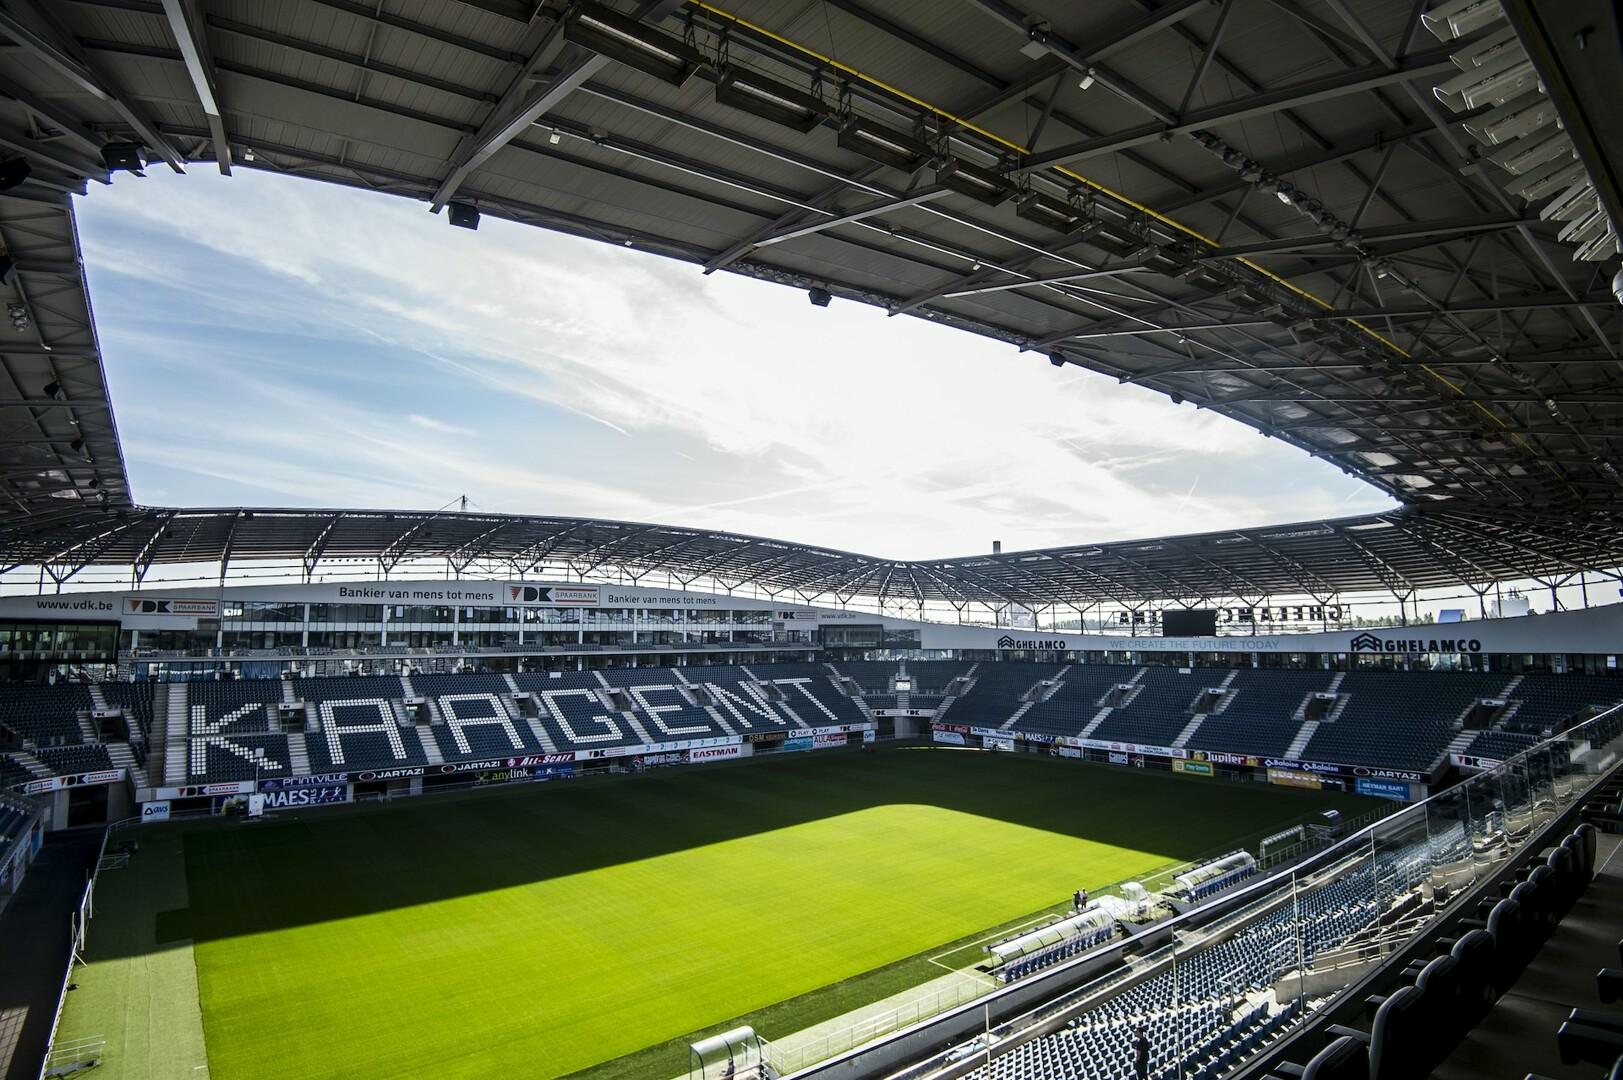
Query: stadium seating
{"type": "Point", "coordinates": [1074, 705]}
{"type": "Point", "coordinates": [1398, 719]}
{"type": "Point", "coordinates": [1205, 1014]}
{"type": "Point", "coordinates": [242, 705]}
{"type": "Point", "coordinates": [1499, 745]}
{"type": "Point", "coordinates": [135, 700]}
{"type": "Point", "coordinates": [664, 710]}
{"type": "Point", "coordinates": [45, 715]}
{"type": "Point", "coordinates": [12, 773]}
{"type": "Point", "coordinates": [933, 676]}
{"type": "Point", "coordinates": [827, 704]}
{"type": "Point", "coordinates": [995, 694]}
{"type": "Point", "coordinates": [1552, 702]}
{"type": "Point", "coordinates": [1159, 711]}
{"type": "Point", "coordinates": [1259, 716]}
{"type": "Point", "coordinates": [359, 726]}
{"type": "Point", "coordinates": [573, 714]}
{"type": "Point", "coordinates": [234, 756]}
{"type": "Point", "coordinates": [874, 676]}
{"type": "Point", "coordinates": [68, 760]}
{"type": "Point", "coordinates": [476, 717]}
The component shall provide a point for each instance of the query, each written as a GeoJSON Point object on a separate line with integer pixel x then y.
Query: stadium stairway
{"type": "Point", "coordinates": [431, 749]}
{"type": "Point", "coordinates": [298, 754]}
{"type": "Point", "coordinates": [710, 710]}
{"type": "Point", "coordinates": [177, 734]}
{"type": "Point", "coordinates": [1189, 729]}
{"type": "Point", "coordinates": [30, 762]}
{"type": "Point", "coordinates": [124, 758]}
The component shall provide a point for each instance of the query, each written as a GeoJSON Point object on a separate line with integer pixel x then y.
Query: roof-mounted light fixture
{"type": "Point", "coordinates": [1051, 213]}
{"type": "Point", "coordinates": [1119, 238]}
{"type": "Point", "coordinates": [883, 144]}
{"type": "Point", "coordinates": [984, 185]}
{"type": "Point", "coordinates": [636, 45]}
{"type": "Point", "coordinates": [769, 99]}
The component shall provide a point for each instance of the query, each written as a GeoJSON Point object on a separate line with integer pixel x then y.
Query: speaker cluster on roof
{"type": "Point", "coordinates": [14, 172]}
{"type": "Point", "coordinates": [1517, 123]}
{"type": "Point", "coordinates": [633, 43]}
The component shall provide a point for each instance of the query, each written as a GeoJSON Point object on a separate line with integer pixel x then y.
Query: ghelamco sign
{"type": "Point", "coordinates": [1375, 643]}
{"type": "Point", "coordinates": [1030, 644]}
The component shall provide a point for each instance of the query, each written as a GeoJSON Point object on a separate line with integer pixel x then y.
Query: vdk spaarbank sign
{"type": "Point", "coordinates": [565, 595]}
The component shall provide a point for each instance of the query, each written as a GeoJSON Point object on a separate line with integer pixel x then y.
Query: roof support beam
{"type": "Point", "coordinates": [1291, 96]}
{"type": "Point", "coordinates": [523, 104]}
{"type": "Point", "coordinates": [190, 35]}
{"type": "Point", "coordinates": [67, 62]}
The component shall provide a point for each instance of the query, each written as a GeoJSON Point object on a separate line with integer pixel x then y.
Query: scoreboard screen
{"type": "Point", "coordinates": [1195, 622]}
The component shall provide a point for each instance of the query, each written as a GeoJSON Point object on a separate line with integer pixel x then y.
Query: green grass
{"type": "Point", "coordinates": [546, 931]}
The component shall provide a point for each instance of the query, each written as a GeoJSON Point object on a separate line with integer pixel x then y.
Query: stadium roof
{"type": "Point", "coordinates": [1259, 207]}
{"type": "Point", "coordinates": [1398, 552]}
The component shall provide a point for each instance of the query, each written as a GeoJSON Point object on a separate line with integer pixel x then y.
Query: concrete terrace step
{"type": "Point", "coordinates": [1303, 737]}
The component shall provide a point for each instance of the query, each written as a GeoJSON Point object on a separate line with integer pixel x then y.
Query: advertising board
{"type": "Point", "coordinates": [1383, 789]}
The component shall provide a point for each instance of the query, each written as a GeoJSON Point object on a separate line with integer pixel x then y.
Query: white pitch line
{"type": "Point", "coordinates": [998, 935]}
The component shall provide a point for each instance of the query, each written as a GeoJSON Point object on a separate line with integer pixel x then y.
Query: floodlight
{"type": "Point", "coordinates": [1518, 157]}
{"type": "Point", "coordinates": [769, 99]}
{"type": "Point", "coordinates": [1087, 80]}
{"type": "Point", "coordinates": [1307, 331]}
{"type": "Point", "coordinates": [1115, 238]}
{"type": "Point", "coordinates": [1602, 247]}
{"type": "Point", "coordinates": [1049, 212]}
{"type": "Point", "coordinates": [1585, 229]}
{"type": "Point", "coordinates": [1571, 203]}
{"type": "Point", "coordinates": [981, 184]}
{"type": "Point", "coordinates": [632, 43]}
{"type": "Point", "coordinates": [1508, 75]}
{"type": "Point", "coordinates": [1513, 119]}
{"type": "Point", "coordinates": [14, 172]}
{"type": "Point", "coordinates": [1167, 261]}
{"type": "Point", "coordinates": [1617, 286]}
{"type": "Point", "coordinates": [53, 390]}
{"type": "Point", "coordinates": [1458, 18]}
{"type": "Point", "coordinates": [1547, 178]}
{"type": "Point", "coordinates": [1204, 277]}
{"type": "Point", "coordinates": [882, 144]}
{"type": "Point", "coordinates": [1247, 294]}
{"type": "Point", "coordinates": [1487, 49]}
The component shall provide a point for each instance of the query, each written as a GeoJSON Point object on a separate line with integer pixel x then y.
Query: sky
{"type": "Point", "coordinates": [276, 342]}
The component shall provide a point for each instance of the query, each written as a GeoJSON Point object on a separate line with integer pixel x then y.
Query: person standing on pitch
{"type": "Point", "coordinates": [1141, 1054]}
{"type": "Point", "coordinates": [1076, 900]}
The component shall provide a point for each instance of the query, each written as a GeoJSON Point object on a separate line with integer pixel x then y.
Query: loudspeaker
{"type": "Point", "coordinates": [463, 215]}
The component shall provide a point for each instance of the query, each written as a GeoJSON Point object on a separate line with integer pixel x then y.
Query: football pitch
{"type": "Point", "coordinates": [596, 926]}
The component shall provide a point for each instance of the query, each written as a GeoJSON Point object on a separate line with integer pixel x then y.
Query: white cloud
{"type": "Point", "coordinates": [437, 425]}
{"type": "Point", "coordinates": [718, 401]}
